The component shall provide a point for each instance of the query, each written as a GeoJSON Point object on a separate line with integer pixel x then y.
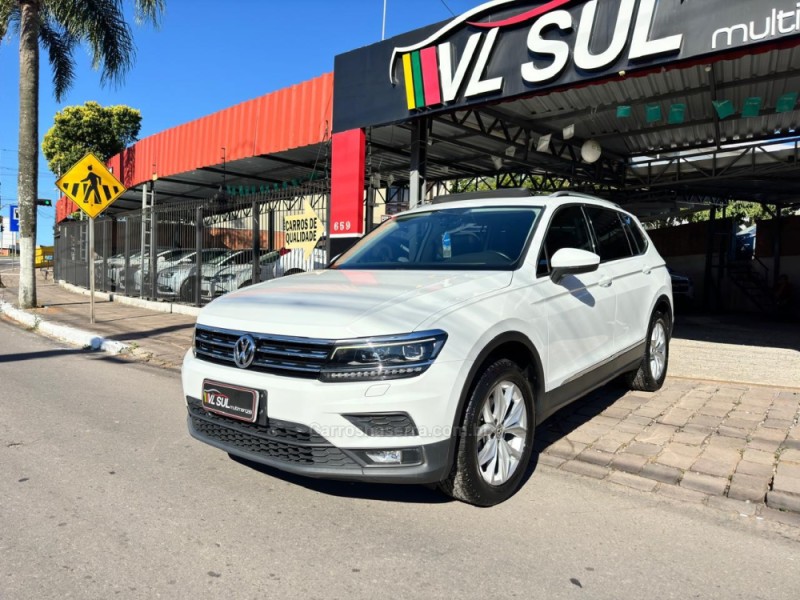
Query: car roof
{"type": "Point", "coordinates": [512, 198]}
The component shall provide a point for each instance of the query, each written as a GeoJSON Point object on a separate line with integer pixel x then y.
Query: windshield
{"type": "Point", "coordinates": [487, 239]}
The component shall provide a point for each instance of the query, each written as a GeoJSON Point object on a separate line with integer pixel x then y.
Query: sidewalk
{"type": "Point", "coordinates": [722, 431]}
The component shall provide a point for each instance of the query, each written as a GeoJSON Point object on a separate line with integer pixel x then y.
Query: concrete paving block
{"type": "Point", "coordinates": [606, 445]}
{"type": "Point", "coordinates": [677, 417]}
{"type": "Point", "coordinates": [705, 421]}
{"type": "Point", "coordinates": [707, 484]}
{"type": "Point", "coordinates": [690, 438]}
{"type": "Point", "coordinates": [758, 456]}
{"type": "Point", "coordinates": [756, 469]}
{"type": "Point", "coordinates": [566, 449]}
{"type": "Point", "coordinates": [739, 507]}
{"type": "Point", "coordinates": [713, 467]}
{"type": "Point", "coordinates": [725, 442]}
{"type": "Point", "coordinates": [778, 424]}
{"type": "Point", "coordinates": [790, 455]}
{"type": "Point", "coordinates": [585, 468]}
{"type": "Point", "coordinates": [783, 501]}
{"type": "Point", "coordinates": [649, 412]}
{"type": "Point", "coordinates": [748, 487]}
{"type": "Point", "coordinates": [657, 434]}
{"type": "Point", "coordinates": [715, 411]}
{"type": "Point", "coordinates": [630, 463]}
{"type": "Point", "coordinates": [616, 412]}
{"type": "Point", "coordinates": [677, 492]}
{"type": "Point", "coordinates": [643, 449]}
{"type": "Point", "coordinates": [585, 435]}
{"type": "Point", "coordinates": [785, 516]}
{"type": "Point", "coordinates": [549, 460]}
{"type": "Point", "coordinates": [632, 481]}
{"type": "Point", "coordinates": [661, 473]}
{"type": "Point", "coordinates": [748, 417]}
{"type": "Point", "coordinates": [595, 457]}
{"type": "Point", "coordinates": [787, 478]}
{"type": "Point", "coordinates": [690, 403]}
{"type": "Point", "coordinates": [623, 437]}
{"type": "Point", "coordinates": [733, 432]}
{"type": "Point", "coordinates": [679, 456]}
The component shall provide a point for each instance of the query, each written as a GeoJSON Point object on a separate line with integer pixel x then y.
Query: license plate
{"type": "Point", "coordinates": [230, 401]}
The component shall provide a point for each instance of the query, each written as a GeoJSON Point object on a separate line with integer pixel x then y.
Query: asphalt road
{"type": "Point", "coordinates": [104, 495]}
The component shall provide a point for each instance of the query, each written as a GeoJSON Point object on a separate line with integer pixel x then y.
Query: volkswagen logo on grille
{"type": "Point", "coordinates": [244, 351]}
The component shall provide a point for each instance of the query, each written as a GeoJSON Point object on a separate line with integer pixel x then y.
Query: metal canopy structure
{"type": "Point", "coordinates": [702, 159]}
{"type": "Point", "coordinates": [733, 137]}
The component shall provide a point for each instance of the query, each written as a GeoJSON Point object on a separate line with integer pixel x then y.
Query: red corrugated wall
{"type": "Point", "coordinates": [293, 117]}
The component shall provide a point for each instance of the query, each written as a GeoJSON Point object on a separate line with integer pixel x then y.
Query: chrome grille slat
{"type": "Point", "coordinates": [282, 355]}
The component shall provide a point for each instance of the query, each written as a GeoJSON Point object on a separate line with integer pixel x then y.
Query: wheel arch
{"type": "Point", "coordinates": [664, 304]}
{"type": "Point", "coordinates": [515, 346]}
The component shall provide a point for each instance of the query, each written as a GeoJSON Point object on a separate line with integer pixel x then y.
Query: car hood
{"type": "Point", "coordinates": [337, 304]}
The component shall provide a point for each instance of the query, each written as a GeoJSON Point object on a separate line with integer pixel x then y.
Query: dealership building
{"type": "Point", "coordinates": [663, 106]}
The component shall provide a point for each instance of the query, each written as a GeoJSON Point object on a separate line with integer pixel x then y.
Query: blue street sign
{"type": "Point", "coordinates": [13, 215]}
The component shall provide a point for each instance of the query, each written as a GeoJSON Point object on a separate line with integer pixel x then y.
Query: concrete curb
{"type": "Point", "coordinates": [163, 307]}
{"type": "Point", "coordinates": [71, 335]}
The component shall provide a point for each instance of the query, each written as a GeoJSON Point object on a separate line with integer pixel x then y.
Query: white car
{"type": "Point", "coordinates": [131, 282]}
{"type": "Point", "coordinates": [295, 261]}
{"type": "Point", "coordinates": [179, 280]}
{"type": "Point", "coordinates": [429, 352]}
{"type": "Point", "coordinates": [238, 275]}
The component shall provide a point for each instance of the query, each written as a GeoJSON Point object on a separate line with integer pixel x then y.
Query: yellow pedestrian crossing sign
{"type": "Point", "coordinates": [90, 185]}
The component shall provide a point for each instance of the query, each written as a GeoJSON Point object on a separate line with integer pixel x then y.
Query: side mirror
{"type": "Point", "coordinates": [571, 261]}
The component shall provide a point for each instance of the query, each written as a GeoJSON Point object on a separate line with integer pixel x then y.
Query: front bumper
{"type": "Point", "coordinates": [297, 449]}
{"type": "Point", "coordinates": [303, 424]}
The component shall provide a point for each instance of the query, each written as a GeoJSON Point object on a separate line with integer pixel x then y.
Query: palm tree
{"type": "Point", "coordinates": [59, 26]}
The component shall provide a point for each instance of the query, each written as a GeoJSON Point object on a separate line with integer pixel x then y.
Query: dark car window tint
{"type": "Point", "coordinates": [568, 229]}
{"type": "Point", "coordinates": [637, 238]}
{"type": "Point", "coordinates": [611, 239]}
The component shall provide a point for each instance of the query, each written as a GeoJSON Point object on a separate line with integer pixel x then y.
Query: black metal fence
{"type": "Point", "coordinates": [193, 251]}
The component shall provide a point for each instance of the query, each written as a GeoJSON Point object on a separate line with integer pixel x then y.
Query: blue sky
{"type": "Point", "coordinates": [206, 56]}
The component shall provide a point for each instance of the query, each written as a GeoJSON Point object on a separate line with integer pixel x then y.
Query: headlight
{"type": "Point", "coordinates": [224, 277]}
{"type": "Point", "coordinates": [390, 357]}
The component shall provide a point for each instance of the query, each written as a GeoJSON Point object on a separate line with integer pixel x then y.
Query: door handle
{"type": "Point", "coordinates": [605, 281]}
{"type": "Point", "coordinates": [647, 270]}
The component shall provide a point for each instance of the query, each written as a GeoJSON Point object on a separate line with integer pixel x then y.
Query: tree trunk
{"type": "Point", "coordinates": [27, 190]}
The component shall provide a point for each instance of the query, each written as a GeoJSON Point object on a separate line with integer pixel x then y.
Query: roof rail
{"type": "Point", "coordinates": [484, 194]}
{"type": "Point", "coordinates": [560, 193]}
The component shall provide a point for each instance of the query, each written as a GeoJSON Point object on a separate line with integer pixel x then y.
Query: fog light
{"type": "Point", "coordinates": [385, 457]}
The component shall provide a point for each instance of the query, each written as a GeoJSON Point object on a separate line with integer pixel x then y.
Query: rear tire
{"type": "Point", "coordinates": [650, 375]}
{"type": "Point", "coordinates": [496, 440]}
{"type": "Point", "coordinates": [293, 272]}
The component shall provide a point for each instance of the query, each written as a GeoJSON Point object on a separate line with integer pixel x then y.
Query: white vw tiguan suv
{"type": "Point", "coordinates": [429, 351]}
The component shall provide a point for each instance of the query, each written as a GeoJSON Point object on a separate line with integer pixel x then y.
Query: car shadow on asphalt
{"type": "Point", "coordinates": [553, 429]}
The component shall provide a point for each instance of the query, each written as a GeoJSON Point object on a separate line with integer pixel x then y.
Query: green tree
{"type": "Point", "coordinates": [76, 130]}
{"type": "Point", "coordinates": [60, 26]}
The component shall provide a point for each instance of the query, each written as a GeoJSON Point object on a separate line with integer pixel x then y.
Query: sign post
{"type": "Point", "coordinates": [90, 185]}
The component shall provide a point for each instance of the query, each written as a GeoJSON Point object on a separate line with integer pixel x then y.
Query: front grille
{"type": "Point", "coordinates": [295, 357]}
{"type": "Point", "coordinates": [384, 425]}
{"type": "Point", "coordinates": [286, 442]}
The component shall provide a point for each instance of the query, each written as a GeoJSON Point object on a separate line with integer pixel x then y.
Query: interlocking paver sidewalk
{"type": "Point", "coordinates": [735, 441]}
{"type": "Point", "coordinates": [695, 440]}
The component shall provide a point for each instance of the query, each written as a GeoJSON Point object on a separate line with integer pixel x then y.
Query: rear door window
{"type": "Point", "coordinates": [612, 241]}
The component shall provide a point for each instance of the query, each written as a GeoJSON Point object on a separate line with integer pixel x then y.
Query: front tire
{"type": "Point", "coordinates": [653, 370]}
{"type": "Point", "coordinates": [496, 441]}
